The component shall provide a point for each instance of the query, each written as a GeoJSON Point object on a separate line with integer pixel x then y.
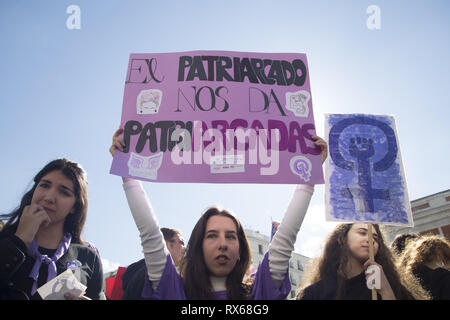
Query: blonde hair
{"type": "Point", "coordinates": [309, 277]}
{"type": "Point", "coordinates": [427, 250]}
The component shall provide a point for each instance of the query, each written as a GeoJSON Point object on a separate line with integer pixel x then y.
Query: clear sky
{"type": "Point", "coordinates": [61, 95]}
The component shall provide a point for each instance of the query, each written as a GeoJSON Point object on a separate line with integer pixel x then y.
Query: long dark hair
{"type": "Point", "coordinates": [334, 260]}
{"type": "Point", "coordinates": [195, 272]}
{"type": "Point", "coordinates": [74, 222]}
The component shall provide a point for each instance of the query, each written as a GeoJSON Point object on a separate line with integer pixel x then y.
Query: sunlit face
{"type": "Point", "coordinates": [55, 193]}
{"type": "Point", "coordinates": [220, 245]}
{"type": "Point", "coordinates": [176, 248]}
{"type": "Point", "coordinates": [358, 241]}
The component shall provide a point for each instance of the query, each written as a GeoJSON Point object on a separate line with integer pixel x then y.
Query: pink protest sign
{"type": "Point", "coordinates": [220, 117]}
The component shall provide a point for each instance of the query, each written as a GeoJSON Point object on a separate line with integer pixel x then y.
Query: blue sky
{"type": "Point", "coordinates": [61, 95]}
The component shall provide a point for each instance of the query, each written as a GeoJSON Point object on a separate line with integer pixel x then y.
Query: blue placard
{"type": "Point", "coordinates": [364, 176]}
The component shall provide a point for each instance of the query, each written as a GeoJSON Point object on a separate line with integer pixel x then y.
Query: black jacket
{"type": "Point", "coordinates": [326, 289]}
{"type": "Point", "coordinates": [133, 280]}
{"type": "Point", "coordinates": [436, 281]}
{"type": "Point", "coordinates": [16, 265]}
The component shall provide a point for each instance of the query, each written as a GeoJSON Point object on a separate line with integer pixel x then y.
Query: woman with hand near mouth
{"type": "Point", "coordinates": [218, 254]}
{"type": "Point", "coordinates": [341, 272]}
{"type": "Point", "coordinates": [42, 238]}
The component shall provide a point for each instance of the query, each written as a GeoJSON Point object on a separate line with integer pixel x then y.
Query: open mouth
{"type": "Point", "coordinates": [221, 259]}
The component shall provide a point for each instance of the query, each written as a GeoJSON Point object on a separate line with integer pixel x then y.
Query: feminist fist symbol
{"type": "Point", "coordinates": [362, 150]}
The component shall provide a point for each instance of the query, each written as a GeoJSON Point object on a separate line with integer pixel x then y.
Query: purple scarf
{"type": "Point", "coordinates": [42, 258]}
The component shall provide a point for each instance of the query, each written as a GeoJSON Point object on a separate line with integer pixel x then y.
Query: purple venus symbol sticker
{"type": "Point", "coordinates": [301, 166]}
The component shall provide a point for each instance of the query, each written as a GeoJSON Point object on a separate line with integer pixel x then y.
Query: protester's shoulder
{"type": "Point", "coordinates": [442, 272]}
{"type": "Point", "coordinates": [312, 291]}
{"type": "Point", "coordinates": [136, 266]}
{"type": "Point", "coordinates": [86, 249]}
{"type": "Point", "coordinates": [324, 289]}
{"type": "Point", "coordinates": [4, 234]}
{"type": "Point", "coordinates": [433, 274]}
{"type": "Point", "coordinates": [9, 241]}
{"type": "Point", "coordinates": [437, 281]}
{"type": "Point", "coordinates": [136, 270]}
{"type": "Point", "coordinates": [440, 275]}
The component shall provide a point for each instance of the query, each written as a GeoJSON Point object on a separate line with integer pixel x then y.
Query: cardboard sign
{"type": "Point", "coordinates": [218, 116]}
{"type": "Point", "coordinates": [364, 176]}
{"type": "Point", "coordinates": [64, 283]}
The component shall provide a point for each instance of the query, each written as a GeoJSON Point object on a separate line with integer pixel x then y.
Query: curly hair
{"type": "Point", "coordinates": [334, 260]}
{"type": "Point", "coordinates": [400, 242]}
{"type": "Point", "coordinates": [424, 251]}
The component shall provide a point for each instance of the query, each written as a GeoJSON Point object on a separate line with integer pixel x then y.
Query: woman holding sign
{"type": "Point", "coordinates": [344, 269]}
{"type": "Point", "coordinates": [42, 238]}
{"type": "Point", "coordinates": [217, 248]}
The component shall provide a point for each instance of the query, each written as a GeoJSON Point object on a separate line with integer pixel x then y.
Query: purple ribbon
{"type": "Point", "coordinates": [42, 258]}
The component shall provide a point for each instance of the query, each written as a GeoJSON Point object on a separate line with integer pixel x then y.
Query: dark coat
{"type": "Point", "coordinates": [16, 265]}
{"type": "Point", "coordinates": [133, 280]}
{"type": "Point", "coordinates": [326, 289]}
{"type": "Point", "coordinates": [436, 281]}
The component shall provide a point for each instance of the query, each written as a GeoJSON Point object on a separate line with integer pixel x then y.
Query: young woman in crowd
{"type": "Point", "coordinates": [217, 255]}
{"type": "Point", "coordinates": [341, 271]}
{"type": "Point", "coordinates": [42, 237]}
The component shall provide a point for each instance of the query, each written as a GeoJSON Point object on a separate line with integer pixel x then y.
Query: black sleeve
{"type": "Point", "coordinates": [95, 290]}
{"type": "Point", "coordinates": [133, 281]}
{"type": "Point", "coordinates": [12, 256]}
{"type": "Point", "coordinates": [308, 293]}
{"type": "Point", "coordinates": [443, 283]}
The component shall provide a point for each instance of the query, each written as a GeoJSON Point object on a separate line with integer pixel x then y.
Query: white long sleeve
{"type": "Point", "coordinates": [282, 245]}
{"type": "Point", "coordinates": [152, 240]}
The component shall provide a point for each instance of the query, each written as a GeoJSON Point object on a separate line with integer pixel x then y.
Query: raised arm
{"type": "Point", "coordinates": [152, 240]}
{"type": "Point", "coordinates": [282, 245]}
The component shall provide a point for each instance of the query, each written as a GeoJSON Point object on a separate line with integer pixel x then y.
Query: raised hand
{"type": "Point", "coordinates": [318, 141]}
{"type": "Point", "coordinates": [33, 216]}
{"type": "Point", "coordinates": [117, 142]}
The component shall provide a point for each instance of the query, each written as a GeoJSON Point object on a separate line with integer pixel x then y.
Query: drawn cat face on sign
{"type": "Point", "coordinates": [148, 101]}
{"type": "Point", "coordinates": [145, 167]}
{"type": "Point", "coordinates": [297, 102]}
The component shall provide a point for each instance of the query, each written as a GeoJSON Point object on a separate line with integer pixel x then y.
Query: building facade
{"type": "Point", "coordinates": [431, 215]}
{"type": "Point", "coordinates": [259, 244]}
